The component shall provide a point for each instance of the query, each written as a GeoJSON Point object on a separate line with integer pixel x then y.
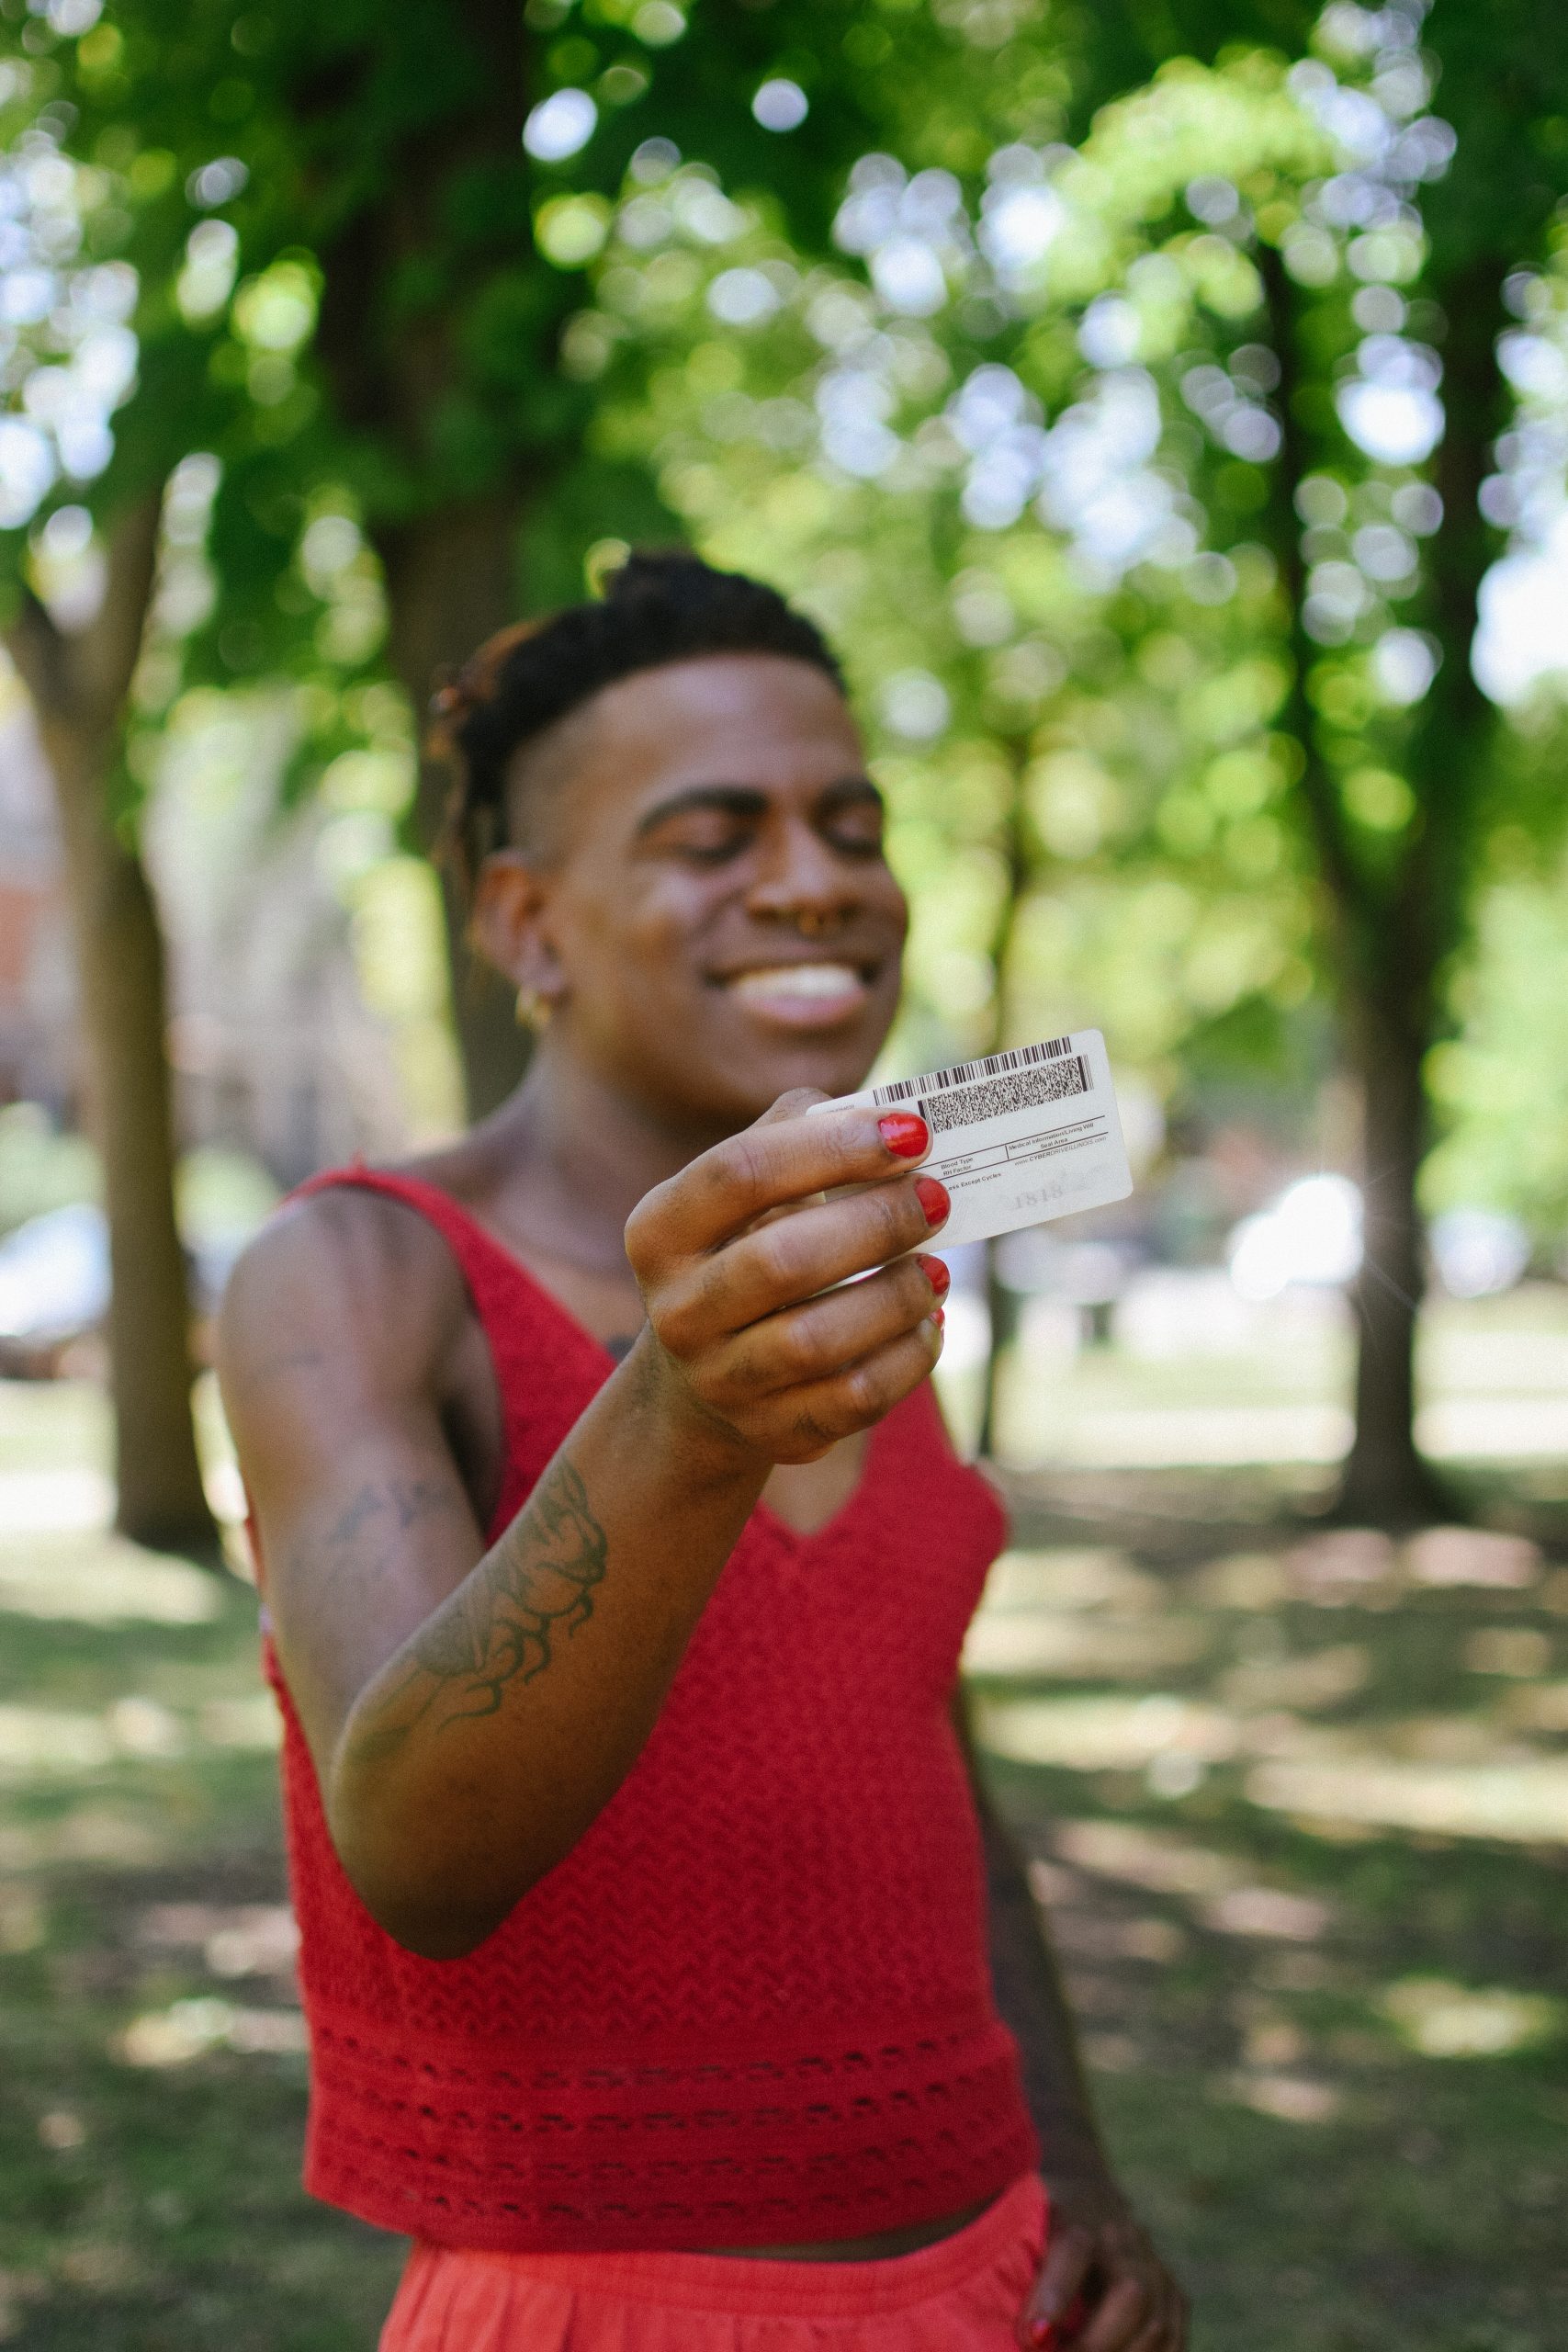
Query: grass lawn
{"type": "Point", "coordinates": [152, 2082]}
{"type": "Point", "coordinates": [1308, 1869]}
{"type": "Point", "coordinates": [1298, 1805]}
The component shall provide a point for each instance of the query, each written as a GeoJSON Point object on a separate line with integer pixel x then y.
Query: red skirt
{"type": "Point", "coordinates": [963, 2294]}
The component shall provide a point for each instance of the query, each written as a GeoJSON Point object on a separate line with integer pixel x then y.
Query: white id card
{"type": "Point", "coordinates": [1017, 1137]}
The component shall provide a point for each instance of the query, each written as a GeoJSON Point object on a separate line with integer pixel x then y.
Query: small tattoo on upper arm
{"type": "Point", "coordinates": [348, 1548]}
{"type": "Point", "coordinates": [407, 1501]}
{"type": "Point", "coordinates": [291, 1359]}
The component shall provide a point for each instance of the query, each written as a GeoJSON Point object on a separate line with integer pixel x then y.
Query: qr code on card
{"type": "Point", "coordinates": [993, 1098]}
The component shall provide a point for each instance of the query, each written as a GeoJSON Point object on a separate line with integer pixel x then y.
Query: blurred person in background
{"type": "Point", "coordinates": [670, 1982]}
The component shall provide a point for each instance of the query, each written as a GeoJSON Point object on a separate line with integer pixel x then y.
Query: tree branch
{"type": "Point", "coordinates": [81, 677]}
{"type": "Point", "coordinates": [1449, 759]}
{"type": "Point", "coordinates": [110, 645]}
{"type": "Point", "coordinates": [40, 652]}
{"type": "Point", "coordinates": [1348, 882]}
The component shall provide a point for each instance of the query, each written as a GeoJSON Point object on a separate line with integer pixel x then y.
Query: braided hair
{"type": "Point", "coordinates": [657, 608]}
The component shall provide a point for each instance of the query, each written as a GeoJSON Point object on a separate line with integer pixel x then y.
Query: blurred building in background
{"type": "Point", "coordinates": [275, 1052]}
{"type": "Point", "coordinates": [38, 1049]}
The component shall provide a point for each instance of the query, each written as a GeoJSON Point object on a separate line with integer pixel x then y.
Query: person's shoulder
{"type": "Point", "coordinates": [346, 1269]}
{"type": "Point", "coordinates": [345, 1233]}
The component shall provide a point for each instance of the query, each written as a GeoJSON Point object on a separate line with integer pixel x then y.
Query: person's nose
{"type": "Point", "coordinates": [799, 880]}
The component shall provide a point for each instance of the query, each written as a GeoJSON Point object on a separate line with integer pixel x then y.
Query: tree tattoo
{"type": "Point", "coordinates": [500, 1626]}
{"type": "Point", "coordinates": [501, 1623]}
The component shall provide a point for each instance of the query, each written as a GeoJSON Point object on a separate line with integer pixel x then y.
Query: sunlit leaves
{"type": "Point", "coordinates": [1074, 432]}
{"type": "Point", "coordinates": [1389, 408]}
{"type": "Point", "coordinates": [217, 182]}
{"type": "Point", "coordinates": [212, 256]}
{"type": "Point", "coordinates": [559, 125]}
{"type": "Point", "coordinates": [1502, 1086]}
{"type": "Point", "coordinates": [276, 312]}
{"type": "Point", "coordinates": [571, 230]}
{"type": "Point", "coordinates": [339, 570]}
{"type": "Point", "coordinates": [658, 23]}
{"type": "Point", "coordinates": [780, 105]}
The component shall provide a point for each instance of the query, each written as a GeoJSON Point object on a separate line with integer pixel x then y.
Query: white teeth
{"type": "Point", "coordinates": [797, 980]}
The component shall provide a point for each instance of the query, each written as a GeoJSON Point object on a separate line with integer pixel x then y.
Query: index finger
{"type": "Point", "coordinates": [778, 1161]}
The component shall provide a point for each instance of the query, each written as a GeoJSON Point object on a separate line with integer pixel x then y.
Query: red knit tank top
{"type": "Point", "coordinates": [752, 2006]}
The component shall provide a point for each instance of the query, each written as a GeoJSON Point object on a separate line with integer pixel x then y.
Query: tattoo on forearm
{"type": "Point", "coordinates": [501, 1623]}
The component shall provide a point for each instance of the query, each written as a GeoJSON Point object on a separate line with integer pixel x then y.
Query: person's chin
{"type": "Point", "coordinates": [774, 1045]}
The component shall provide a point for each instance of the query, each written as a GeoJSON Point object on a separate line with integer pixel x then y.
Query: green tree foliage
{"type": "Point", "coordinates": [344, 244]}
{"type": "Point", "coordinates": [1146, 418]}
{"type": "Point", "coordinates": [892, 464]}
{"type": "Point", "coordinates": [282, 400]}
{"type": "Point", "coordinates": [1275, 355]}
{"type": "Point", "coordinates": [322, 260]}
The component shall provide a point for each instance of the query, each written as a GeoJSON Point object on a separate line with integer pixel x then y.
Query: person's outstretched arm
{"type": "Point", "coordinates": [1102, 2287]}
{"type": "Point", "coordinates": [471, 1711]}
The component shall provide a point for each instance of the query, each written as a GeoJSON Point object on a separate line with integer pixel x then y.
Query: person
{"type": "Point", "coordinates": [669, 1981]}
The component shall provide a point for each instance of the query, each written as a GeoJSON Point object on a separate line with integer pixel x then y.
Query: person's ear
{"type": "Point", "coordinates": [509, 925]}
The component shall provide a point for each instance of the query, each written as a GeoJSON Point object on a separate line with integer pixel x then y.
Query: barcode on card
{"type": "Point", "coordinates": [1055, 1049]}
{"type": "Point", "coordinates": [995, 1098]}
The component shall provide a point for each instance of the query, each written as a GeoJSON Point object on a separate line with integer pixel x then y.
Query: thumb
{"type": "Point", "coordinates": [1068, 2256]}
{"type": "Point", "coordinates": [792, 1105]}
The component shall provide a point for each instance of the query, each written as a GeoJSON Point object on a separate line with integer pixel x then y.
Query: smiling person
{"type": "Point", "coordinates": [658, 1953]}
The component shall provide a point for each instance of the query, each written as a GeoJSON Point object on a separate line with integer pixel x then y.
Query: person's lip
{"type": "Point", "coordinates": [800, 995]}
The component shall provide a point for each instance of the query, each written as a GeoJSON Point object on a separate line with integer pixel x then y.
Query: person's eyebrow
{"type": "Point", "coordinates": [847, 792]}
{"type": "Point", "coordinates": [745, 802]}
{"type": "Point", "coordinates": [729, 799]}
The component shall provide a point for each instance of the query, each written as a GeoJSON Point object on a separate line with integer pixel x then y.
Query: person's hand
{"type": "Point", "coordinates": [749, 1335]}
{"type": "Point", "coordinates": [1101, 2286]}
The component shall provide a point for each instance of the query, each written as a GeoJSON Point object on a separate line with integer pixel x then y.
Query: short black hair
{"type": "Point", "coordinates": [657, 608]}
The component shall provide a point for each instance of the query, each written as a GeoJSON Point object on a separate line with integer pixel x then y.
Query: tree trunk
{"type": "Point", "coordinates": [79, 683]}
{"type": "Point", "coordinates": [451, 583]}
{"type": "Point", "coordinates": [1384, 936]}
{"type": "Point", "coordinates": [1386, 1481]}
{"type": "Point", "coordinates": [1001, 1330]}
{"type": "Point", "coordinates": [1394, 1025]}
{"type": "Point", "coordinates": [1001, 1311]}
{"type": "Point", "coordinates": [452, 211]}
{"type": "Point", "coordinates": [120, 956]}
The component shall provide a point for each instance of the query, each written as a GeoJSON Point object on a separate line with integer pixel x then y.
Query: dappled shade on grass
{"type": "Point", "coordinates": [1329, 2039]}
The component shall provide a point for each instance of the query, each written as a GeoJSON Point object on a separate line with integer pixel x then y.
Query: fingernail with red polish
{"type": "Point", "coordinates": [905, 1133]}
{"type": "Point", "coordinates": [933, 1199]}
{"type": "Point", "coordinates": [936, 1273]}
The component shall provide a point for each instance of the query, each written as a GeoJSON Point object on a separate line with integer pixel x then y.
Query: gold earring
{"type": "Point", "coordinates": [533, 1010]}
